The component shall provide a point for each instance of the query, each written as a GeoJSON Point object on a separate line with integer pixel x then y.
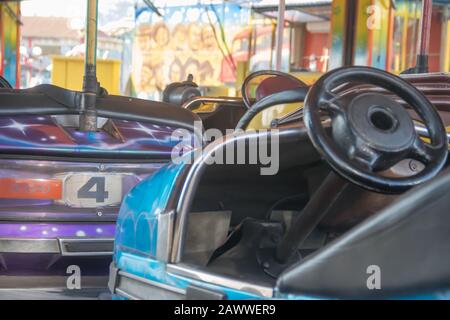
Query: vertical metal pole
{"type": "Point", "coordinates": [390, 40]}
{"type": "Point", "coordinates": [311, 215]}
{"type": "Point", "coordinates": [424, 37]}
{"type": "Point", "coordinates": [445, 41]}
{"type": "Point", "coordinates": [88, 117]}
{"type": "Point", "coordinates": [279, 35]}
{"type": "Point", "coordinates": [349, 43]}
{"type": "Point", "coordinates": [2, 42]}
{"type": "Point", "coordinates": [18, 36]}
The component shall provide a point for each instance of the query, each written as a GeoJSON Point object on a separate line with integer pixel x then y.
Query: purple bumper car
{"type": "Point", "coordinates": [61, 187]}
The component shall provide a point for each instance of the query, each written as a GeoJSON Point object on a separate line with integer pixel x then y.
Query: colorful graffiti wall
{"type": "Point", "coordinates": [371, 40]}
{"type": "Point", "coordinates": [187, 40]}
{"type": "Point", "coordinates": [338, 8]}
{"type": "Point", "coordinates": [386, 36]}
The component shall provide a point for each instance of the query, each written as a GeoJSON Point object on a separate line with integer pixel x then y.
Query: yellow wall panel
{"type": "Point", "coordinates": [68, 73]}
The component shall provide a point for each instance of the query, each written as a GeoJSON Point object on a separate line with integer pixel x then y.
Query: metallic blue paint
{"type": "Point", "coordinates": [154, 270]}
{"type": "Point", "coordinates": [137, 224]}
{"type": "Point", "coordinates": [137, 230]}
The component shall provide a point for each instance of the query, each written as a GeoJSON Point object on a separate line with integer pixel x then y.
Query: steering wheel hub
{"type": "Point", "coordinates": [380, 123]}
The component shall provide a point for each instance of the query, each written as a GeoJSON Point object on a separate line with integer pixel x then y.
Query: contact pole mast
{"type": "Point", "coordinates": [88, 116]}
{"type": "Point", "coordinates": [424, 38]}
{"type": "Point", "coordinates": [279, 38]}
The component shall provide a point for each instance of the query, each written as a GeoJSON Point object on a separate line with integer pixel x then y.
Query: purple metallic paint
{"type": "Point", "coordinates": [43, 134]}
{"type": "Point", "coordinates": [53, 230]}
{"type": "Point", "coordinates": [44, 219]}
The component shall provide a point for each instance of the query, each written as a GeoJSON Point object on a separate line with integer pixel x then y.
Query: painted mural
{"type": "Point", "coordinates": [406, 32]}
{"type": "Point", "coordinates": [338, 8]}
{"type": "Point", "coordinates": [371, 33]}
{"type": "Point", "coordinates": [186, 40]}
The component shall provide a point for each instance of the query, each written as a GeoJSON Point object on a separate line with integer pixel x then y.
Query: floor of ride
{"type": "Point", "coordinates": [55, 294]}
{"type": "Point", "coordinates": [52, 288]}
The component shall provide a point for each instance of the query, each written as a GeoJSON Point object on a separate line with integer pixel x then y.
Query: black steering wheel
{"type": "Point", "coordinates": [253, 75]}
{"type": "Point", "coordinates": [372, 132]}
{"type": "Point", "coordinates": [286, 96]}
{"type": "Point", "coordinates": [4, 83]}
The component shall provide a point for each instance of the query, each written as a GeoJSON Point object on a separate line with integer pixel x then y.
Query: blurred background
{"type": "Point", "coordinates": [144, 45]}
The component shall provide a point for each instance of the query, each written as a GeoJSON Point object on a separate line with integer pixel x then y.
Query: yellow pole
{"type": "Point", "coordinates": [91, 32]}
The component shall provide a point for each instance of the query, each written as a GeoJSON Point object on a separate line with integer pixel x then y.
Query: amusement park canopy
{"type": "Point", "coordinates": [253, 3]}
{"type": "Point", "coordinates": [295, 10]}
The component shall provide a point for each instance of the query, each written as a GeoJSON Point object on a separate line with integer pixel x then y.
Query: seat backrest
{"type": "Point", "coordinates": [273, 85]}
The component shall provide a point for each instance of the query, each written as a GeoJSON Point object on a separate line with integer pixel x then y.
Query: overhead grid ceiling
{"type": "Point", "coordinates": [297, 11]}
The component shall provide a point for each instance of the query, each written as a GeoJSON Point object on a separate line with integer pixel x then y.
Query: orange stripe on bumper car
{"type": "Point", "coordinates": [43, 189]}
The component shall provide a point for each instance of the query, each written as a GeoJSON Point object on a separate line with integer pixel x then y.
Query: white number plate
{"type": "Point", "coordinates": [92, 190]}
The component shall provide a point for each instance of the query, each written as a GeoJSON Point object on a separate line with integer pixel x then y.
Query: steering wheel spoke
{"type": "Point", "coordinates": [333, 109]}
{"type": "Point", "coordinates": [369, 159]}
{"type": "Point", "coordinates": [332, 104]}
{"type": "Point", "coordinates": [422, 151]}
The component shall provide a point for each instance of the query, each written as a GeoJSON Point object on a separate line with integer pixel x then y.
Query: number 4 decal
{"type": "Point", "coordinates": [95, 188]}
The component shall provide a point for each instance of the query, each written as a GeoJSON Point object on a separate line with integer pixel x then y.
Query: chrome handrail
{"type": "Point", "coordinates": [198, 100]}
{"type": "Point", "coordinates": [423, 131]}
